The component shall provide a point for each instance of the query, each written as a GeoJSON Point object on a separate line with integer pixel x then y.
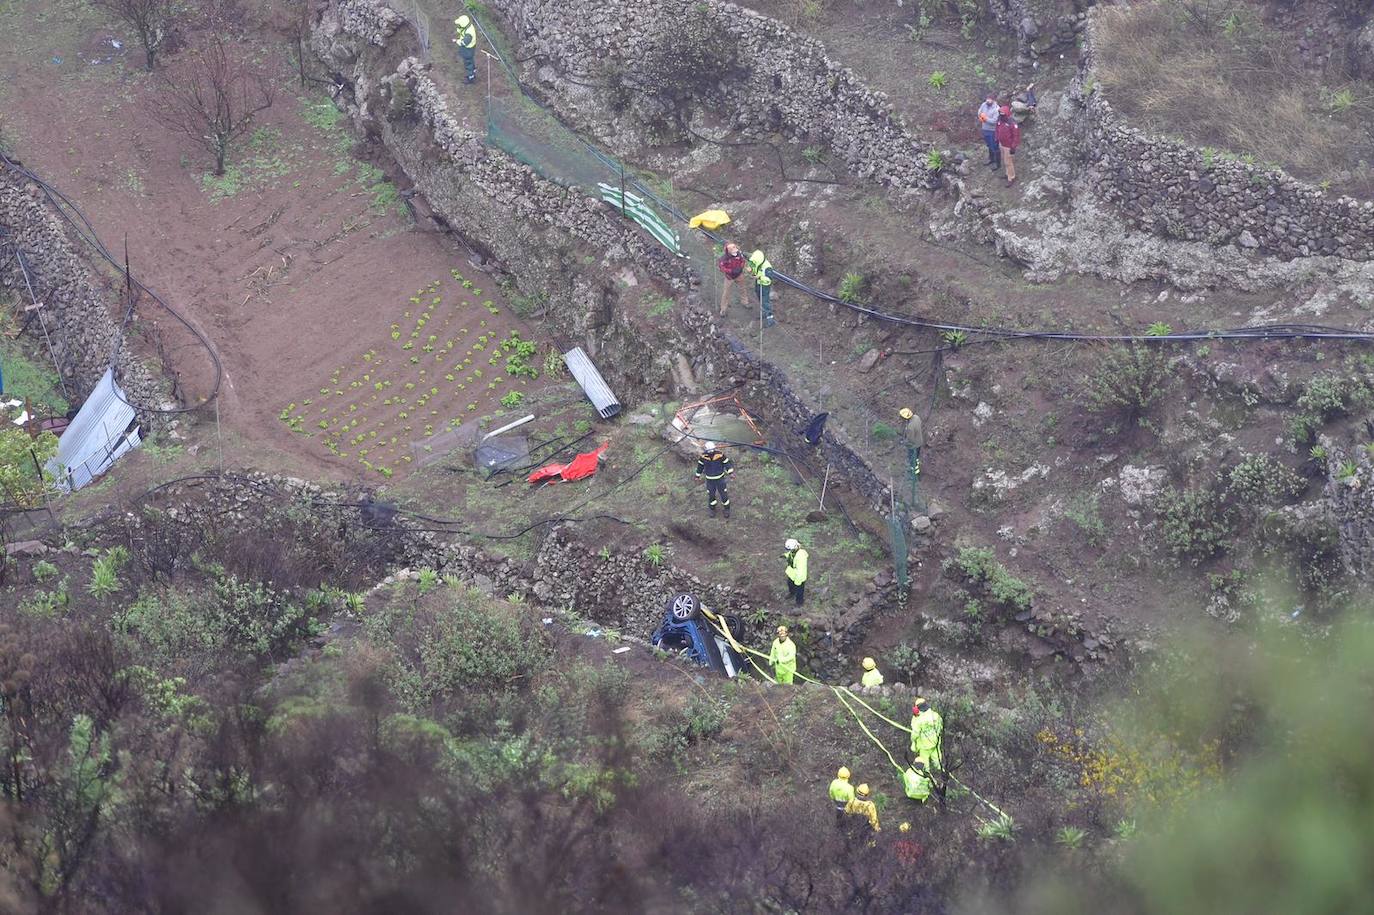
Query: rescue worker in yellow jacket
{"type": "Point", "coordinates": [783, 657]}
{"type": "Point", "coordinates": [762, 272]}
{"type": "Point", "coordinates": [916, 782]}
{"type": "Point", "coordinates": [862, 806]}
{"type": "Point", "coordinates": [927, 733]}
{"type": "Point", "coordinates": [465, 38]}
{"type": "Point", "coordinates": [872, 676]}
{"type": "Point", "coordinates": [796, 570]}
{"type": "Point", "coordinates": [841, 791]}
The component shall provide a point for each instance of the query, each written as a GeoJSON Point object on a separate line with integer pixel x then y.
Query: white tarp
{"type": "Point", "coordinates": [98, 436]}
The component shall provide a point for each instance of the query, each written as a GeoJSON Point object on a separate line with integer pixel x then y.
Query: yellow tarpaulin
{"type": "Point", "coordinates": [710, 219]}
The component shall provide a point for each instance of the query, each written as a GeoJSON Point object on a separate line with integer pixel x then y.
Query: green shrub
{"type": "Point", "coordinates": [453, 642]}
{"type": "Point", "coordinates": [851, 287]}
{"type": "Point", "coordinates": [19, 481]}
{"type": "Point", "coordinates": [1259, 480]}
{"type": "Point", "coordinates": [1194, 524]}
{"type": "Point", "coordinates": [105, 572]}
{"type": "Point", "coordinates": [1085, 514]}
{"type": "Point", "coordinates": [904, 662]}
{"type": "Point", "coordinates": [1324, 397]}
{"type": "Point", "coordinates": [1128, 382]}
{"type": "Point", "coordinates": [980, 566]}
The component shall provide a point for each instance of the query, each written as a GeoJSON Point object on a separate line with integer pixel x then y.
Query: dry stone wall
{"type": "Point", "coordinates": [753, 73]}
{"type": "Point", "coordinates": [82, 328]}
{"type": "Point", "coordinates": [564, 249]}
{"type": "Point", "coordinates": [1178, 191]}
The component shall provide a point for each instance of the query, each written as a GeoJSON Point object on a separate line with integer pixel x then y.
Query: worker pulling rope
{"type": "Point", "coordinates": [720, 625]}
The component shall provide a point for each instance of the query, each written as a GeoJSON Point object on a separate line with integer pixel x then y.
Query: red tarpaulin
{"type": "Point", "coordinates": [584, 465]}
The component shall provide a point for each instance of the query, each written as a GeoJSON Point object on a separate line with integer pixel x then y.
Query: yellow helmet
{"type": "Point", "coordinates": [462, 22]}
{"type": "Point", "coordinates": [862, 790]}
{"type": "Point", "coordinates": [782, 632]}
{"type": "Point", "coordinates": [905, 827]}
{"type": "Point", "coordinates": [905, 413]}
{"type": "Point", "coordinates": [869, 664]}
{"type": "Point", "coordinates": [843, 773]}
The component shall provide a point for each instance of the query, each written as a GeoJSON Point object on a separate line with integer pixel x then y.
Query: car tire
{"type": "Point", "coordinates": [683, 607]}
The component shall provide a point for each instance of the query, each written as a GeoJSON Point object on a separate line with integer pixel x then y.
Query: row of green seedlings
{"type": "Point", "coordinates": [515, 351]}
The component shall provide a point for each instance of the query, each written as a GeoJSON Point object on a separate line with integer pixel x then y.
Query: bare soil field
{"type": "Point", "coordinates": [297, 263]}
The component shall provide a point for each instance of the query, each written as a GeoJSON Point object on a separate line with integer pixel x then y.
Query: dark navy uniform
{"type": "Point", "coordinates": [715, 465]}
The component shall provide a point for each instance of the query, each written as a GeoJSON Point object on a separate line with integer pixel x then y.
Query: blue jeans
{"type": "Point", "coordinates": [766, 304]}
{"type": "Point", "coordinates": [994, 154]}
{"type": "Point", "coordinates": [469, 56]}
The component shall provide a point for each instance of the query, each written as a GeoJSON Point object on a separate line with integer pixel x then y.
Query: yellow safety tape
{"type": "Point", "coordinates": [719, 624]}
{"type": "Point", "coordinates": [871, 735]}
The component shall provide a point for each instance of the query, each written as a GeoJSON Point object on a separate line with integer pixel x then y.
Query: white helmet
{"type": "Point", "coordinates": [791, 544]}
{"type": "Point", "coordinates": [710, 446]}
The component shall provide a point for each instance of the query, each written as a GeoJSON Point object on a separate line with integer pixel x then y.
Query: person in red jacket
{"type": "Point", "coordinates": [1008, 141]}
{"type": "Point", "coordinates": [732, 267]}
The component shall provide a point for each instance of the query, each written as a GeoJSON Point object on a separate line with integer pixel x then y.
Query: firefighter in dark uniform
{"type": "Point", "coordinates": [714, 465]}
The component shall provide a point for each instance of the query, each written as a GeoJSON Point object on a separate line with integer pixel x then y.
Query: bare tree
{"type": "Point", "coordinates": [213, 96]}
{"type": "Point", "coordinates": [291, 19]}
{"type": "Point", "coordinates": [151, 20]}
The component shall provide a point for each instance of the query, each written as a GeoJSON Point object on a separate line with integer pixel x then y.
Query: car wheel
{"type": "Point", "coordinates": [683, 607]}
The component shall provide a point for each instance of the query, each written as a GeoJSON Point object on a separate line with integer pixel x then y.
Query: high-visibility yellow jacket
{"type": "Point", "coordinates": [866, 809]}
{"type": "Point", "coordinates": [760, 267]}
{"type": "Point", "coordinates": [796, 566]}
{"type": "Point", "coordinates": [466, 37]}
{"type": "Point", "coordinates": [916, 784]}
{"type": "Point", "coordinates": [841, 792]}
{"type": "Point", "coordinates": [872, 677]}
{"type": "Point", "coordinates": [926, 730]}
{"type": "Point", "coordinates": [784, 655]}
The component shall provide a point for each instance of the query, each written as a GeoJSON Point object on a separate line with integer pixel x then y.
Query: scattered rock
{"type": "Point", "coordinates": [921, 523]}
{"type": "Point", "coordinates": [26, 548]}
{"type": "Point", "coordinates": [868, 360]}
{"type": "Point", "coordinates": [1140, 484]}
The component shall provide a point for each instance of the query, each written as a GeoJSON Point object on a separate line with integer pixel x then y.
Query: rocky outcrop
{"type": "Point", "coordinates": [1350, 497]}
{"type": "Point", "coordinates": [81, 326]}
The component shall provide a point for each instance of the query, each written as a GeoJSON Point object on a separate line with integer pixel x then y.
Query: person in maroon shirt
{"type": "Point", "coordinates": [731, 265]}
{"type": "Point", "coordinates": [1008, 141]}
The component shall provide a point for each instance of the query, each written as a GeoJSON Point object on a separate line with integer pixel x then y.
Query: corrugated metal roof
{"type": "Point", "coordinates": [97, 437]}
{"type": "Point", "coordinates": [595, 387]}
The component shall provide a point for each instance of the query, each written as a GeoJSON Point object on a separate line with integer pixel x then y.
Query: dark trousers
{"type": "Point", "coordinates": [797, 591]}
{"type": "Point", "coordinates": [766, 304]}
{"type": "Point", "coordinates": [994, 152]}
{"type": "Point", "coordinates": [715, 491]}
{"type": "Point", "coordinates": [469, 56]}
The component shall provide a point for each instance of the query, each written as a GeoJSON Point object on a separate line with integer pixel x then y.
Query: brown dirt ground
{"type": "Point", "coordinates": [296, 272]}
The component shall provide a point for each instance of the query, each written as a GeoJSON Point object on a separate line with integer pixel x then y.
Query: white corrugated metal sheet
{"type": "Point", "coordinates": [101, 432]}
{"type": "Point", "coordinates": [593, 385]}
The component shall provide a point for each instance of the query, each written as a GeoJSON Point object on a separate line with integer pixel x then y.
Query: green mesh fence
{"type": "Point", "coordinates": [519, 125]}
{"type": "Point", "coordinates": [897, 536]}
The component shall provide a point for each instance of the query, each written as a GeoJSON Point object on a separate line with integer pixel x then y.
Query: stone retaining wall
{"type": "Point", "coordinates": [1177, 191]}
{"type": "Point", "coordinates": [563, 248]}
{"type": "Point", "coordinates": [80, 323]}
{"type": "Point", "coordinates": [569, 571]}
{"type": "Point", "coordinates": [730, 65]}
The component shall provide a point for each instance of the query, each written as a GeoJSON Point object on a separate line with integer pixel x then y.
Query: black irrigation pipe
{"type": "Point", "coordinates": [87, 233]}
{"type": "Point", "coordinates": [991, 334]}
